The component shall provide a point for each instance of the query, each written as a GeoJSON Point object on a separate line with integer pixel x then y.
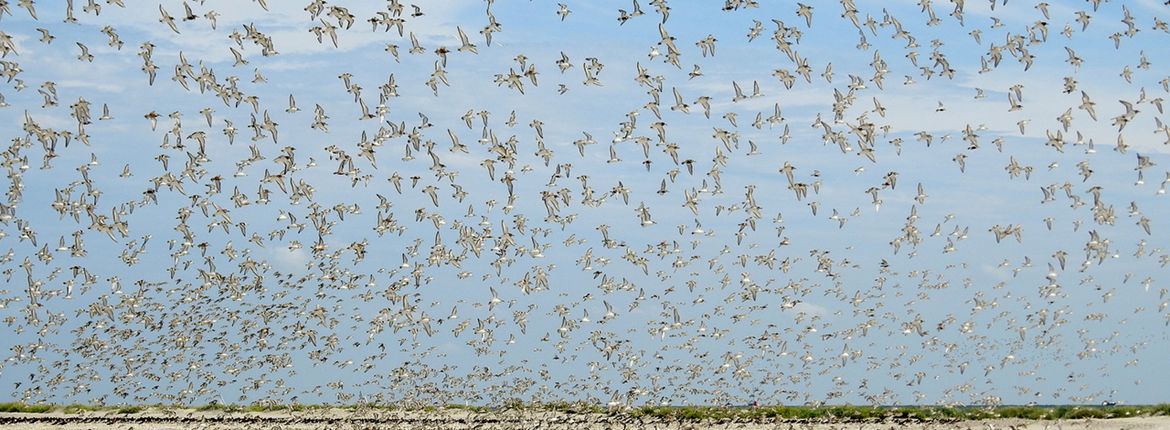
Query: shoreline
{"type": "Point", "coordinates": [508, 418]}
{"type": "Point", "coordinates": [682, 413]}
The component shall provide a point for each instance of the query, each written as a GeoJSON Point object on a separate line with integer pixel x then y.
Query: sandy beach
{"type": "Point", "coordinates": [456, 419]}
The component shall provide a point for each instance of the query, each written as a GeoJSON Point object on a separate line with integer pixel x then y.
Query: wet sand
{"type": "Point", "coordinates": [459, 419]}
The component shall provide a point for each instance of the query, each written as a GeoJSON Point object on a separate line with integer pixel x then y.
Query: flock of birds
{"type": "Point", "coordinates": [517, 201]}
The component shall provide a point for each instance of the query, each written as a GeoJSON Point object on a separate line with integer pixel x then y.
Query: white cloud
{"type": "Point", "coordinates": [288, 260]}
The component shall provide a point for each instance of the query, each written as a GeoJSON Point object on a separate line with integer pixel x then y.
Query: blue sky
{"type": "Point", "coordinates": [868, 306]}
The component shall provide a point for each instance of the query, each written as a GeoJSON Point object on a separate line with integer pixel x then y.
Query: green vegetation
{"type": "Point", "coordinates": [257, 407]}
{"type": "Point", "coordinates": [572, 408]}
{"type": "Point", "coordinates": [216, 407]}
{"type": "Point", "coordinates": [23, 408]}
{"type": "Point", "coordinates": [680, 413]}
{"type": "Point", "coordinates": [470, 408]}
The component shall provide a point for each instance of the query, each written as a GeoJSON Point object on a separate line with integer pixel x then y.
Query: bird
{"type": "Point", "coordinates": [46, 37]}
{"type": "Point", "coordinates": [167, 19]}
{"type": "Point", "coordinates": [805, 11]}
{"type": "Point", "coordinates": [84, 55]}
{"type": "Point", "coordinates": [465, 45]}
{"type": "Point", "coordinates": [292, 105]}
{"type": "Point", "coordinates": [563, 11]}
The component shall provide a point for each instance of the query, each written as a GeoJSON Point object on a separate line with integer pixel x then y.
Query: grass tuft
{"type": "Point", "coordinates": [124, 410]}
{"type": "Point", "coordinates": [24, 408]}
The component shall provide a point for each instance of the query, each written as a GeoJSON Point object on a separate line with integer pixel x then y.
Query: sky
{"type": "Point", "coordinates": [588, 263]}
